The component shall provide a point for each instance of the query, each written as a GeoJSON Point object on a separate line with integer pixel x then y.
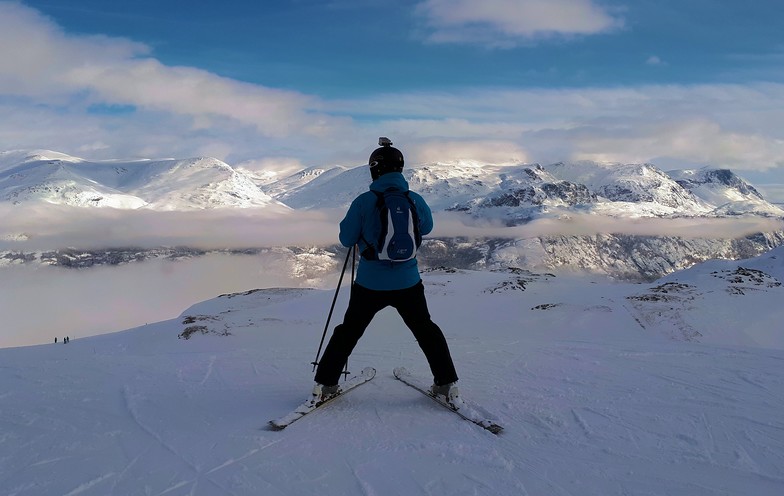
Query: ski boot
{"type": "Point", "coordinates": [448, 392]}
{"type": "Point", "coordinates": [322, 393]}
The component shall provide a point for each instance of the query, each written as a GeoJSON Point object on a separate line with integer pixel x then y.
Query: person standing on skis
{"type": "Point", "coordinates": [381, 282]}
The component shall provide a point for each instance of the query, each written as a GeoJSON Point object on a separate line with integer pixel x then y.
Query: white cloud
{"type": "Point", "coordinates": [506, 22]}
{"type": "Point", "coordinates": [52, 66]}
{"type": "Point", "coordinates": [691, 141]}
{"type": "Point", "coordinates": [481, 151]}
{"type": "Point", "coordinates": [737, 126]}
{"type": "Point", "coordinates": [45, 226]}
{"type": "Point", "coordinates": [454, 225]}
{"type": "Point", "coordinates": [654, 60]}
{"type": "Point", "coordinates": [773, 192]}
{"type": "Point", "coordinates": [272, 168]}
{"type": "Point", "coordinates": [42, 53]}
{"type": "Point", "coordinates": [189, 91]}
{"type": "Point", "coordinates": [39, 303]}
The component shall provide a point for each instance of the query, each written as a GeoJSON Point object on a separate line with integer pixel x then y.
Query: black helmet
{"type": "Point", "coordinates": [385, 159]}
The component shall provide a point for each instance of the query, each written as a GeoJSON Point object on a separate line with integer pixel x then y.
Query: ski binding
{"type": "Point", "coordinates": [461, 407]}
{"type": "Point", "coordinates": [309, 406]}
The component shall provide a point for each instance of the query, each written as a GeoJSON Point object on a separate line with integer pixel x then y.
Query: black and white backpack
{"type": "Point", "coordinates": [399, 237]}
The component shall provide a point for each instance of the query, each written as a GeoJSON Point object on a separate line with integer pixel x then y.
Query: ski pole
{"type": "Point", "coordinates": [332, 308]}
{"type": "Point", "coordinates": [353, 264]}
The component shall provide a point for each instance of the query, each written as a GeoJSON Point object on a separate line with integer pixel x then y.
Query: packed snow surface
{"type": "Point", "coordinates": [597, 395]}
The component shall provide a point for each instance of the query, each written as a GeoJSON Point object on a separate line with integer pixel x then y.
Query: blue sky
{"type": "Point", "coordinates": [341, 48]}
{"type": "Point", "coordinates": [294, 83]}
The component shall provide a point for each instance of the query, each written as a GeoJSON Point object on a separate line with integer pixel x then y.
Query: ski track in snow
{"type": "Point", "coordinates": [592, 404]}
{"type": "Point", "coordinates": [208, 373]}
{"type": "Point", "coordinates": [87, 485]}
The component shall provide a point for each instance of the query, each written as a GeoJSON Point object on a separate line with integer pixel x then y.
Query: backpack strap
{"type": "Point", "coordinates": [371, 253]}
{"type": "Point", "coordinates": [415, 219]}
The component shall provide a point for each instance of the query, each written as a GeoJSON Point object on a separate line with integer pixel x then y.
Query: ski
{"type": "Point", "coordinates": [464, 409]}
{"type": "Point", "coordinates": [307, 407]}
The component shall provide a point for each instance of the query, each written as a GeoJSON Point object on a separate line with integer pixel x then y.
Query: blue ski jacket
{"type": "Point", "coordinates": [362, 222]}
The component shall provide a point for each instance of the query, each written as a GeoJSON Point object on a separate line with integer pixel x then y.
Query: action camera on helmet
{"type": "Point", "coordinates": [385, 159]}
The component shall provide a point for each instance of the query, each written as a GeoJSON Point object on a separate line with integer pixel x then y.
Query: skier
{"type": "Point", "coordinates": [383, 283]}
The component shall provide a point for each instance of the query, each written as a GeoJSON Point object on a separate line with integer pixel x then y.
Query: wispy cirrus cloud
{"type": "Point", "coordinates": [510, 22]}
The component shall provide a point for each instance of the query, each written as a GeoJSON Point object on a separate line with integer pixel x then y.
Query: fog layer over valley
{"type": "Point", "coordinates": [39, 303]}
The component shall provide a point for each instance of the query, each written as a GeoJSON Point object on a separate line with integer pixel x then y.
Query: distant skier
{"type": "Point", "coordinates": [385, 282]}
{"type": "Point", "coordinates": [55, 340]}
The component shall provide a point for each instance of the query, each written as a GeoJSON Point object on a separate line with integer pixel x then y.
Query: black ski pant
{"type": "Point", "coordinates": [363, 305]}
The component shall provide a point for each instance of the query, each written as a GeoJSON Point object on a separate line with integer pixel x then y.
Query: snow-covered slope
{"type": "Point", "coordinates": [519, 193]}
{"type": "Point", "coordinates": [720, 301]}
{"type": "Point", "coordinates": [196, 183]}
{"type": "Point", "coordinates": [525, 193]}
{"type": "Point", "coordinates": [633, 183]}
{"type": "Point", "coordinates": [57, 178]}
{"type": "Point", "coordinates": [593, 402]}
{"type": "Point", "coordinates": [288, 185]}
{"type": "Point", "coordinates": [447, 185]}
{"type": "Point", "coordinates": [514, 193]}
{"type": "Point", "coordinates": [729, 193]}
{"type": "Point", "coordinates": [318, 188]}
{"type": "Point", "coordinates": [15, 157]}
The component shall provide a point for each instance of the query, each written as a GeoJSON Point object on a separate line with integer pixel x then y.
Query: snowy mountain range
{"type": "Point", "coordinates": [522, 192]}
{"type": "Point", "coordinates": [480, 189]}
{"type": "Point", "coordinates": [197, 183]}
{"type": "Point", "coordinates": [517, 195]}
{"type": "Point", "coordinates": [673, 387]}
